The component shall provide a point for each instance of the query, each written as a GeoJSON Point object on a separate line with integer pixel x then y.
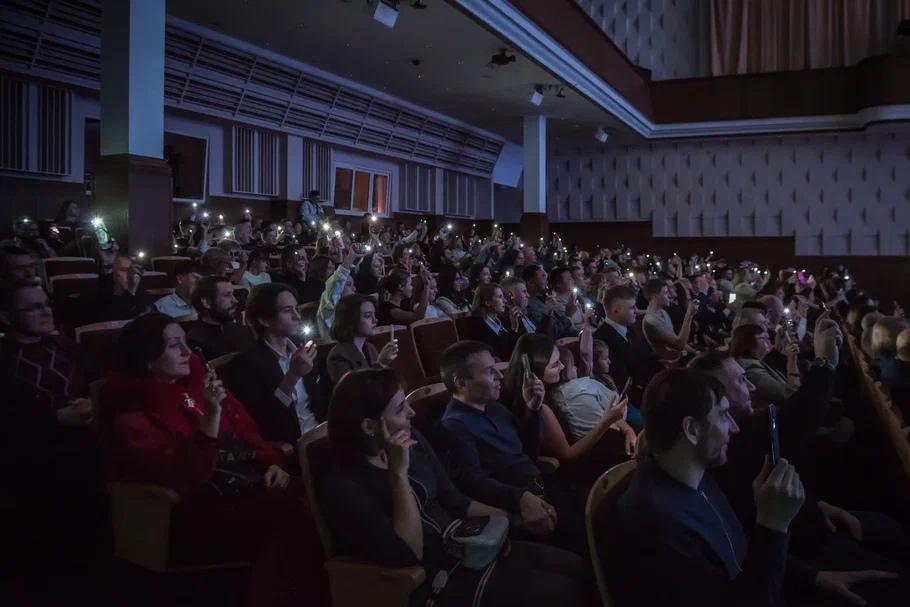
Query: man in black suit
{"type": "Point", "coordinates": [275, 378]}
{"type": "Point", "coordinates": [630, 355]}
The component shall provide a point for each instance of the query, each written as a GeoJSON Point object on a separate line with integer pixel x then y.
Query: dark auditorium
{"type": "Point", "coordinates": [455, 303]}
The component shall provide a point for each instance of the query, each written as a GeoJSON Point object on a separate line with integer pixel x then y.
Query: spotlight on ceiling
{"type": "Point", "coordinates": [386, 12]}
{"type": "Point", "coordinates": [502, 58]}
{"type": "Point", "coordinates": [601, 135]}
{"type": "Point", "coordinates": [537, 96]}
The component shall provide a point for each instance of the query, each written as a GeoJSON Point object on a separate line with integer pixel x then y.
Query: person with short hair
{"type": "Point", "coordinates": [321, 268]}
{"type": "Point", "coordinates": [120, 296]}
{"type": "Point", "coordinates": [388, 500]}
{"type": "Point", "coordinates": [542, 307]}
{"type": "Point", "coordinates": [680, 538]}
{"type": "Point", "coordinates": [657, 325]}
{"type": "Point", "coordinates": [216, 332]}
{"type": "Point", "coordinates": [276, 377]}
{"type": "Point", "coordinates": [491, 451]}
{"type": "Point", "coordinates": [172, 423]}
{"type": "Point", "coordinates": [293, 270]}
{"type": "Point", "coordinates": [354, 323]}
{"type": "Point", "coordinates": [179, 303]}
{"type": "Point", "coordinates": [17, 265]}
{"type": "Point", "coordinates": [517, 297]}
{"type": "Point", "coordinates": [395, 291]}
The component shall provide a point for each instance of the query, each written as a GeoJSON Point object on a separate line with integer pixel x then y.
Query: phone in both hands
{"type": "Point", "coordinates": [774, 455]}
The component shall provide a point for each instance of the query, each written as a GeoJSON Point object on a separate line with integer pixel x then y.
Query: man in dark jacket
{"type": "Point", "coordinates": [673, 537]}
{"type": "Point", "coordinates": [120, 296]}
{"type": "Point", "coordinates": [216, 331]}
{"type": "Point", "coordinates": [630, 355]}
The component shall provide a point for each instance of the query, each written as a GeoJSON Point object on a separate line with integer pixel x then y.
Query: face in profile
{"type": "Point", "coordinates": [713, 435]}
{"type": "Point", "coordinates": [484, 383]}
{"type": "Point", "coordinates": [174, 362]}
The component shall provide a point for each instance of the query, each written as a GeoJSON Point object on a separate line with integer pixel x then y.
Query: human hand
{"type": "Point", "coordinates": [515, 318]}
{"type": "Point", "coordinates": [276, 478]}
{"type": "Point", "coordinates": [133, 277]}
{"type": "Point", "coordinates": [397, 449]}
{"type": "Point", "coordinates": [791, 350]}
{"type": "Point", "coordinates": [899, 311]}
{"type": "Point", "coordinates": [349, 257]}
{"type": "Point", "coordinates": [692, 309]}
{"type": "Point", "coordinates": [631, 442]}
{"type": "Point", "coordinates": [388, 353]}
{"type": "Point", "coordinates": [838, 517]}
{"type": "Point", "coordinates": [840, 582]}
{"type": "Point", "coordinates": [549, 306]}
{"type": "Point", "coordinates": [303, 359]}
{"type": "Point", "coordinates": [589, 316]}
{"type": "Point", "coordinates": [779, 495]}
{"type": "Point", "coordinates": [214, 392]}
{"type": "Point", "coordinates": [537, 515]}
{"type": "Point", "coordinates": [532, 392]}
{"type": "Point", "coordinates": [79, 412]}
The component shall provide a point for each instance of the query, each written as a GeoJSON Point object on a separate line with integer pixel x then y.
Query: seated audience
{"type": "Point", "coordinates": [658, 328]}
{"type": "Point", "coordinates": [884, 340]}
{"type": "Point", "coordinates": [354, 323]}
{"type": "Point", "coordinates": [179, 303]}
{"type": "Point", "coordinates": [749, 346]}
{"type": "Point", "coordinates": [216, 332]}
{"type": "Point", "coordinates": [257, 270]}
{"type": "Point", "coordinates": [388, 500]}
{"type": "Point", "coordinates": [369, 271]}
{"type": "Point", "coordinates": [542, 308]}
{"type": "Point", "coordinates": [896, 377]}
{"type": "Point", "coordinates": [491, 452]}
{"type": "Point", "coordinates": [630, 356]}
{"type": "Point", "coordinates": [321, 268]}
{"type": "Point", "coordinates": [293, 271]}
{"type": "Point", "coordinates": [275, 378]}
{"type": "Point", "coordinates": [594, 412]}
{"type": "Point", "coordinates": [426, 282]}
{"type": "Point", "coordinates": [17, 266]}
{"type": "Point", "coordinates": [452, 289]}
{"type": "Point", "coordinates": [337, 286]}
{"type": "Point", "coordinates": [120, 296]}
{"type": "Point", "coordinates": [868, 324]}
{"type": "Point", "coordinates": [170, 422]}
{"type": "Point", "coordinates": [486, 322]}
{"type": "Point", "coordinates": [395, 291]}
{"type": "Point", "coordinates": [680, 538]}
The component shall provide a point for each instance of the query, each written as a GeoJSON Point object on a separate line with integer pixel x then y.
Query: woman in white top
{"type": "Point", "coordinates": [257, 270]}
{"type": "Point", "coordinates": [421, 283]}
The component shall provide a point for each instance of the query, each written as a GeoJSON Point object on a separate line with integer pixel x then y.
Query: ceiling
{"type": "Point", "coordinates": [454, 76]}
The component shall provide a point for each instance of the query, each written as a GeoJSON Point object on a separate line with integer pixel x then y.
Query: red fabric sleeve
{"type": "Point", "coordinates": [143, 451]}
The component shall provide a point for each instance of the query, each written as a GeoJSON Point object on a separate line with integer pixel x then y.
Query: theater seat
{"type": "Point", "coordinates": [406, 365]}
{"type": "Point", "coordinates": [601, 500]}
{"type": "Point", "coordinates": [72, 285]}
{"type": "Point", "coordinates": [99, 341]}
{"type": "Point", "coordinates": [428, 403]}
{"type": "Point", "coordinates": [431, 338]}
{"type": "Point", "coordinates": [55, 266]}
{"type": "Point", "coordinates": [353, 582]}
{"type": "Point", "coordinates": [154, 281]}
{"type": "Point", "coordinates": [167, 263]}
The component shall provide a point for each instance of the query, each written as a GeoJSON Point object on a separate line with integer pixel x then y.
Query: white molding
{"type": "Point", "coordinates": [525, 35]}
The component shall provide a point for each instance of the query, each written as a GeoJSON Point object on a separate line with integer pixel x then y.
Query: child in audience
{"type": "Point", "coordinates": [389, 500]}
{"type": "Point", "coordinates": [170, 422]}
{"type": "Point", "coordinates": [256, 273]}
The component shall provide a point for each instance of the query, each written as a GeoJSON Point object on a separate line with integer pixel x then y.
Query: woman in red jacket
{"type": "Point", "coordinates": [172, 423]}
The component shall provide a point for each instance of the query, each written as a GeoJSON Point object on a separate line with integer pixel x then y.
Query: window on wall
{"type": "Point", "coordinates": [359, 190]}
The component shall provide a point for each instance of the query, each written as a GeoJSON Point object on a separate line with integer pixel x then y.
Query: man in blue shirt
{"type": "Point", "coordinates": [491, 453]}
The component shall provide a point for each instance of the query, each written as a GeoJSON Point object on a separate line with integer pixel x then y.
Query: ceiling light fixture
{"type": "Point", "coordinates": [601, 135]}
{"type": "Point", "coordinates": [386, 12]}
{"type": "Point", "coordinates": [537, 96]}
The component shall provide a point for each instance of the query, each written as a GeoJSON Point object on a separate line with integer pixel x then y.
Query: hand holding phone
{"type": "Point", "coordinates": [774, 443]}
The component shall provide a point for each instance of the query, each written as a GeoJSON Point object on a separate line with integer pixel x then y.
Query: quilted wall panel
{"type": "Point", "coordinates": [668, 37]}
{"type": "Point", "coordinates": [844, 194]}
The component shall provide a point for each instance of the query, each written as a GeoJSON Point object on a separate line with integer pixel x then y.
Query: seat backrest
{"type": "Point", "coordinates": [220, 361]}
{"type": "Point", "coordinates": [315, 452]}
{"type": "Point", "coordinates": [56, 266]}
{"type": "Point", "coordinates": [601, 500]}
{"type": "Point", "coordinates": [431, 338]}
{"type": "Point", "coordinates": [69, 285]}
{"type": "Point", "coordinates": [99, 340]}
{"type": "Point", "coordinates": [167, 263]}
{"type": "Point", "coordinates": [462, 320]}
{"type": "Point", "coordinates": [156, 280]}
{"type": "Point", "coordinates": [428, 403]}
{"type": "Point", "coordinates": [407, 364]}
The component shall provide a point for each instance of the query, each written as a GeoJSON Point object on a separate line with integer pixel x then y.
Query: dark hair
{"type": "Point", "coordinates": [672, 396]}
{"type": "Point", "coordinates": [653, 287]}
{"type": "Point", "coordinates": [555, 275]}
{"type": "Point", "coordinates": [206, 288]}
{"type": "Point", "coordinates": [364, 281]}
{"type": "Point", "coordinates": [262, 303]}
{"type": "Point", "coordinates": [347, 316]}
{"type": "Point", "coordinates": [616, 293]}
{"type": "Point", "coordinates": [392, 282]}
{"type": "Point", "coordinates": [313, 193]}
{"type": "Point", "coordinates": [539, 349]}
{"type": "Point", "coordinates": [744, 340]}
{"type": "Point", "coordinates": [141, 342]}
{"type": "Point", "coordinates": [319, 267]}
{"type": "Point", "coordinates": [483, 294]}
{"type": "Point", "coordinates": [474, 275]}
{"type": "Point", "coordinates": [529, 273]}
{"type": "Point", "coordinates": [289, 257]}
{"type": "Point", "coordinates": [445, 286]}
{"type": "Point", "coordinates": [709, 362]}
{"type": "Point", "coordinates": [190, 267]}
{"type": "Point", "coordinates": [359, 395]}
{"type": "Point", "coordinates": [757, 305]}
{"type": "Point", "coordinates": [455, 360]}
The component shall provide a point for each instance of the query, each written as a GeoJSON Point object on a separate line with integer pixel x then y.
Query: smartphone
{"type": "Point", "coordinates": [772, 433]}
{"type": "Point", "coordinates": [527, 365]}
{"type": "Point", "coordinates": [731, 298]}
{"type": "Point", "coordinates": [625, 389]}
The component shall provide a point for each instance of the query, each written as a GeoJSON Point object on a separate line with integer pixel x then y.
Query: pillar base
{"type": "Point", "coordinates": [533, 226]}
{"type": "Point", "coordinates": [133, 195]}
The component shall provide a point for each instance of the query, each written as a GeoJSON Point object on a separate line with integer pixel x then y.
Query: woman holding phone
{"type": "Point", "coordinates": [354, 323]}
{"type": "Point", "coordinates": [169, 421]}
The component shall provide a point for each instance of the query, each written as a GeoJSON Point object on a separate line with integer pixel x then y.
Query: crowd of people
{"type": "Point", "coordinates": [673, 363]}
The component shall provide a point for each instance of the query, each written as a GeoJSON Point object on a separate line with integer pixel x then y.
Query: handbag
{"type": "Point", "coordinates": [476, 541]}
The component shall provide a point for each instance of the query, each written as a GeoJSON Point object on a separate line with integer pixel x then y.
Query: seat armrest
{"type": "Point", "coordinates": [141, 518]}
{"type": "Point", "coordinates": [356, 583]}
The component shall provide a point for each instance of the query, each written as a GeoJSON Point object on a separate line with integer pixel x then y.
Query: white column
{"type": "Point", "coordinates": [132, 77]}
{"type": "Point", "coordinates": [535, 164]}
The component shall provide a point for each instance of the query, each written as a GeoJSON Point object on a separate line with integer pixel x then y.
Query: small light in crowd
{"type": "Point", "coordinates": [307, 329]}
{"type": "Point", "coordinates": [697, 267]}
{"type": "Point", "coordinates": [574, 290]}
{"type": "Point", "coordinates": [369, 248]}
{"type": "Point", "coordinates": [508, 273]}
{"type": "Point", "coordinates": [588, 305]}
{"type": "Point", "coordinates": [473, 225]}
{"type": "Point", "coordinates": [846, 277]}
{"type": "Point", "coordinates": [140, 254]}
{"type": "Point", "coordinates": [96, 221]}
{"type": "Point", "coordinates": [631, 274]}
{"type": "Point", "coordinates": [787, 311]}
{"type": "Point", "coordinates": [176, 246]}
{"type": "Point", "coordinates": [804, 270]}
{"type": "Point", "coordinates": [337, 233]}
{"type": "Point", "coordinates": [206, 214]}
{"type": "Point", "coordinates": [372, 218]}
{"type": "Point", "coordinates": [220, 217]}
{"type": "Point", "coordinates": [448, 226]}
{"type": "Point", "coordinates": [326, 227]}
{"type": "Point", "coordinates": [247, 212]}
{"type": "Point", "coordinates": [410, 251]}
{"type": "Point", "coordinates": [709, 266]}
{"type": "Point", "coordinates": [495, 225]}
{"type": "Point", "coordinates": [227, 233]}
{"type": "Point", "coordinates": [710, 252]}
{"type": "Point", "coordinates": [313, 223]}
{"type": "Point", "coordinates": [195, 205]}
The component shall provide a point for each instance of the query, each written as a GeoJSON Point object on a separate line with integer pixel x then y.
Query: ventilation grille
{"type": "Point", "coordinates": [419, 189]}
{"type": "Point", "coordinates": [60, 39]}
{"type": "Point", "coordinates": [53, 130]}
{"type": "Point", "coordinates": [317, 167]}
{"type": "Point", "coordinates": [13, 143]}
{"type": "Point", "coordinates": [463, 194]}
{"type": "Point", "coordinates": [256, 168]}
